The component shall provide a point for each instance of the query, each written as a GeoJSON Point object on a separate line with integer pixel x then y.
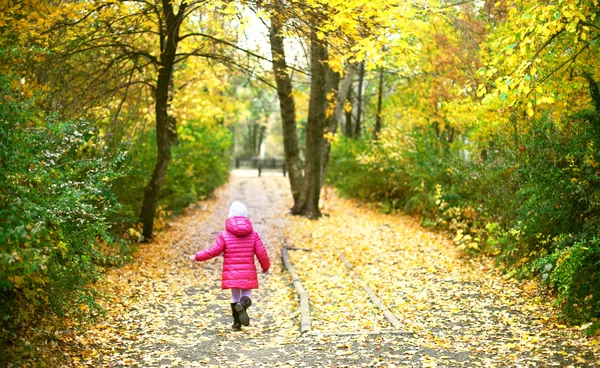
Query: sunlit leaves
{"type": "Point", "coordinates": [542, 50]}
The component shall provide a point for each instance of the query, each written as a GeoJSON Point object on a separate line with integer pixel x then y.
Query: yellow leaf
{"type": "Point", "coordinates": [348, 106]}
{"type": "Point", "coordinates": [17, 281]}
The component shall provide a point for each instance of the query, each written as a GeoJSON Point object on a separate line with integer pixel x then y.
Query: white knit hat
{"type": "Point", "coordinates": [237, 209]}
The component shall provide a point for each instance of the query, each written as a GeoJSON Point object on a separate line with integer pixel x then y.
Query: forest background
{"type": "Point", "coordinates": [480, 117]}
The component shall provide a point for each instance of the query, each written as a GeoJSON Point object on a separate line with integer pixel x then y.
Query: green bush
{"type": "Point", "coordinates": [357, 179]}
{"type": "Point", "coordinates": [574, 272]}
{"type": "Point", "coordinates": [199, 165]}
{"type": "Point", "coordinates": [65, 199]}
{"type": "Point", "coordinates": [556, 213]}
{"type": "Point", "coordinates": [398, 179]}
{"type": "Point", "coordinates": [55, 195]}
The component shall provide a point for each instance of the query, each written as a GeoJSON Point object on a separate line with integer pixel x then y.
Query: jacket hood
{"type": "Point", "coordinates": [238, 225]}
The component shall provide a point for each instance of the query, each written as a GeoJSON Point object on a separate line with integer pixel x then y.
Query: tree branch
{"type": "Point", "coordinates": [225, 60]}
{"type": "Point", "coordinates": [571, 59]}
{"type": "Point", "coordinates": [227, 43]}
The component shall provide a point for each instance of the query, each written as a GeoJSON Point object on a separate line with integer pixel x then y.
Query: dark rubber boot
{"type": "Point", "coordinates": [241, 307]}
{"type": "Point", "coordinates": [237, 326]}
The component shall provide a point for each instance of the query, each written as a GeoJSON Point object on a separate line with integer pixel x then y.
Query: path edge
{"type": "Point", "coordinates": [305, 321]}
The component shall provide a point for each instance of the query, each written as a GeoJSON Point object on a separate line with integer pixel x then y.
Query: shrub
{"type": "Point", "coordinates": [556, 213]}
{"type": "Point", "coordinates": [354, 177]}
{"type": "Point", "coordinates": [574, 272]}
{"type": "Point", "coordinates": [55, 194]}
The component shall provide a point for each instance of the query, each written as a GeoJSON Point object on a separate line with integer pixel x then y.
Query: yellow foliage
{"type": "Point", "coordinates": [548, 35]}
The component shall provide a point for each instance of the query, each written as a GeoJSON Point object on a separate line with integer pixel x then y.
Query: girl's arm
{"type": "Point", "coordinates": [261, 254]}
{"type": "Point", "coordinates": [217, 248]}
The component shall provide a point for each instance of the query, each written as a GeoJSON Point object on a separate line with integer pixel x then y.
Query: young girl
{"type": "Point", "coordinates": [238, 243]}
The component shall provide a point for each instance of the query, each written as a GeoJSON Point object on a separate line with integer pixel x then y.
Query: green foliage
{"type": "Point", "coordinates": [533, 199]}
{"type": "Point", "coordinates": [557, 187]}
{"type": "Point", "coordinates": [358, 179]}
{"type": "Point", "coordinates": [55, 195]}
{"type": "Point", "coordinates": [199, 164]}
{"type": "Point", "coordinates": [66, 199]}
{"type": "Point", "coordinates": [574, 272]}
{"type": "Point", "coordinates": [403, 178]}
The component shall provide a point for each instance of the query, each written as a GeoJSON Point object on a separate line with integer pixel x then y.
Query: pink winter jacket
{"type": "Point", "coordinates": [240, 243]}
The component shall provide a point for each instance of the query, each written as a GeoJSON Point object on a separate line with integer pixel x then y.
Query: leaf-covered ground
{"type": "Point", "coordinates": [164, 311]}
{"type": "Point", "coordinates": [462, 309]}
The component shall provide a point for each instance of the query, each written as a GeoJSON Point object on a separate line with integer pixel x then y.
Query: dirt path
{"type": "Point", "coordinates": [168, 312]}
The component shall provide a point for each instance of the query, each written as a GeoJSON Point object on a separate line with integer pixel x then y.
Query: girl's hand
{"type": "Point", "coordinates": [192, 257]}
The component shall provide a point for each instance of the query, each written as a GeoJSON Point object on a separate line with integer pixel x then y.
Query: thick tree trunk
{"type": "Point", "coordinates": [308, 203]}
{"type": "Point", "coordinates": [165, 124]}
{"type": "Point", "coordinates": [287, 107]}
{"type": "Point", "coordinates": [359, 101]}
{"type": "Point", "coordinates": [378, 118]}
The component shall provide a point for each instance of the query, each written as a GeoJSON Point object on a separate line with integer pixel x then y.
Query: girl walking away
{"type": "Point", "coordinates": [238, 243]}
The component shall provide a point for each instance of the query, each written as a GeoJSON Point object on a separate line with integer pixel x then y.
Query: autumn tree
{"type": "Point", "coordinates": [329, 38]}
{"type": "Point", "coordinates": [140, 45]}
{"type": "Point", "coordinates": [287, 104]}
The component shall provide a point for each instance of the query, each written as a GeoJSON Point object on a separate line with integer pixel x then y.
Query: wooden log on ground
{"type": "Point", "coordinates": [389, 316]}
{"type": "Point", "coordinates": [305, 321]}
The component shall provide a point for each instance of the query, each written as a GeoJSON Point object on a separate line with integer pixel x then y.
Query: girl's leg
{"type": "Point", "coordinates": [236, 295]}
{"type": "Point", "coordinates": [244, 303]}
{"type": "Point", "coordinates": [246, 293]}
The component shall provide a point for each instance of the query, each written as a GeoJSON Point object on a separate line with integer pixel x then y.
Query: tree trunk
{"type": "Point", "coordinates": [332, 84]}
{"type": "Point", "coordinates": [253, 137]}
{"type": "Point", "coordinates": [343, 95]}
{"type": "Point", "coordinates": [378, 118]}
{"type": "Point", "coordinates": [359, 101]}
{"type": "Point", "coordinates": [165, 124]}
{"type": "Point", "coordinates": [349, 131]}
{"type": "Point", "coordinates": [332, 122]}
{"type": "Point", "coordinates": [308, 203]}
{"type": "Point", "coordinates": [287, 106]}
{"type": "Point", "coordinates": [261, 137]}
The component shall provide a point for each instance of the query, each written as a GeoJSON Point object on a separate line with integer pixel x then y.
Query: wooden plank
{"type": "Point", "coordinates": [363, 332]}
{"type": "Point", "coordinates": [389, 316]}
{"type": "Point", "coordinates": [305, 321]}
